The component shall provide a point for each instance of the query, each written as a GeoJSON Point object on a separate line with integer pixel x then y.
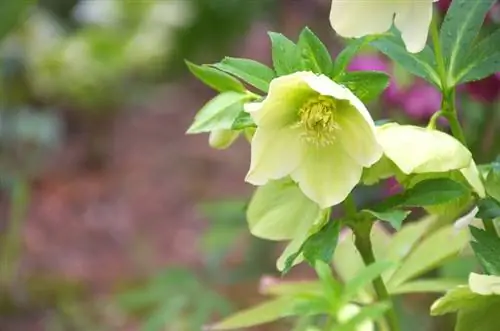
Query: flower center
{"type": "Point", "coordinates": [317, 119]}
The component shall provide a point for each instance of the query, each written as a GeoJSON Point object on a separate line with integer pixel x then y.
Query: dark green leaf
{"type": "Point", "coordinates": [366, 85]}
{"type": "Point", "coordinates": [243, 121]}
{"type": "Point", "coordinates": [421, 64]}
{"type": "Point", "coordinates": [286, 54]}
{"type": "Point", "coordinates": [434, 192]}
{"type": "Point", "coordinates": [488, 209]}
{"type": "Point", "coordinates": [252, 72]}
{"type": "Point", "coordinates": [11, 13]}
{"type": "Point", "coordinates": [394, 217]}
{"type": "Point", "coordinates": [315, 55]}
{"type": "Point", "coordinates": [348, 53]}
{"type": "Point", "coordinates": [483, 60]}
{"type": "Point", "coordinates": [216, 79]}
{"type": "Point", "coordinates": [459, 30]}
{"type": "Point", "coordinates": [219, 113]}
{"type": "Point", "coordinates": [487, 249]}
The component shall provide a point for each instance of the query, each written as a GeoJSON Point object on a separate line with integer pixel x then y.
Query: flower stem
{"type": "Point", "coordinates": [363, 244]}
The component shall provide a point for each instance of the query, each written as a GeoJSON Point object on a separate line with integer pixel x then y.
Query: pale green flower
{"type": "Point", "coordinates": [316, 131]}
{"type": "Point", "coordinates": [484, 284]}
{"type": "Point", "coordinates": [356, 18]}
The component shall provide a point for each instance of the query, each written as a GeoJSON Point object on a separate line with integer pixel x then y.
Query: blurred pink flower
{"type": "Point", "coordinates": [486, 90]}
{"type": "Point", "coordinates": [421, 100]}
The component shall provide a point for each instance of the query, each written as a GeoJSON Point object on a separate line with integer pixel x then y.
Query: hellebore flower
{"type": "Point", "coordinates": [314, 130]}
{"type": "Point", "coordinates": [354, 19]}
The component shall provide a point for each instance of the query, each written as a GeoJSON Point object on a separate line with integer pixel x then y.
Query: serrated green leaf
{"type": "Point", "coordinates": [364, 277]}
{"type": "Point", "coordinates": [487, 249]}
{"type": "Point", "coordinates": [219, 113]}
{"type": "Point", "coordinates": [483, 60]}
{"type": "Point", "coordinates": [394, 217]}
{"type": "Point", "coordinates": [488, 208]}
{"type": "Point", "coordinates": [285, 53]}
{"type": "Point", "coordinates": [315, 55]}
{"type": "Point", "coordinates": [243, 121]}
{"type": "Point", "coordinates": [349, 52]}
{"type": "Point", "coordinates": [427, 286]}
{"type": "Point", "coordinates": [420, 64]}
{"type": "Point", "coordinates": [433, 192]}
{"type": "Point", "coordinates": [429, 254]}
{"type": "Point", "coordinates": [254, 73]}
{"type": "Point", "coordinates": [366, 85]}
{"type": "Point", "coordinates": [214, 78]}
{"type": "Point", "coordinates": [460, 27]}
{"type": "Point", "coordinates": [266, 312]}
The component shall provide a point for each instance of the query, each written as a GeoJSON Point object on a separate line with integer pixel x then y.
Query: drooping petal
{"type": "Point", "coordinates": [286, 95]}
{"type": "Point", "coordinates": [419, 150]}
{"type": "Point", "coordinates": [327, 174]}
{"type": "Point", "coordinates": [357, 137]}
{"type": "Point", "coordinates": [353, 19]}
{"type": "Point", "coordinates": [280, 211]}
{"type": "Point", "coordinates": [413, 19]}
{"type": "Point", "coordinates": [275, 154]}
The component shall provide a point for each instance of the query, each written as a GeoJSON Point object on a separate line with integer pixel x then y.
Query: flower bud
{"type": "Point", "coordinates": [222, 139]}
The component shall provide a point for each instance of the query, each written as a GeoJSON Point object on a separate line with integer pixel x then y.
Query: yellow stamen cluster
{"type": "Point", "coordinates": [317, 119]}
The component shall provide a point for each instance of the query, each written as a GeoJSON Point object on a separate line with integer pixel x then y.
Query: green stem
{"type": "Point", "coordinates": [433, 121]}
{"type": "Point", "coordinates": [11, 241]}
{"type": "Point", "coordinates": [438, 52]}
{"type": "Point", "coordinates": [363, 244]}
{"type": "Point", "coordinates": [349, 206]}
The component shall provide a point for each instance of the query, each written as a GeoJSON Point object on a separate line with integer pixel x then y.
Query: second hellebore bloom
{"type": "Point", "coordinates": [316, 131]}
{"type": "Point", "coordinates": [357, 18]}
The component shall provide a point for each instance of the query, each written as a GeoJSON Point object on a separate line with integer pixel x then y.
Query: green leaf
{"type": "Point", "coordinates": [254, 73]}
{"type": "Point", "coordinates": [487, 249]}
{"type": "Point", "coordinates": [488, 208]}
{"type": "Point", "coordinates": [315, 55]}
{"type": "Point", "coordinates": [431, 253]}
{"type": "Point", "coordinates": [482, 61]}
{"type": "Point", "coordinates": [266, 312]}
{"type": "Point", "coordinates": [492, 183]}
{"type": "Point", "coordinates": [483, 317]}
{"type": "Point", "coordinates": [366, 85]}
{"type": "Point", "coordinates": [243, 121]}
{"type": "Point", "coordinates": [372, 312]}
{"type": "Point", "coordinates": [11, 13]}
{"type": "Point", "coordinates": [421, 64]}
{"type": "Point", "coordinates": [331, 288]}
{"type": "Point", "coordinates": [426, 286]}
{"type": "Point", "coordinates": [456, 299]}
{"type": "Point", "coordinates": [166, 314]}
{"type": "Point", "coordinates": [321, 245]}
{"type": "Point", "coordinates": [460, 27]}
{"type": "Point", "coordinates": [286, 55]}
{"type": "Point", "coordinates": [433, 192]}
{"type": "Point", "coordinates": [349, 52]}
{"type": "Point", "coordinates": [364, 277]}
{"type": "Point", "coordinates": [218, 113]}
{"type": "Point", "coordinates": [394, 217]}
{"type": "Point", "coordinates": [216, 79]}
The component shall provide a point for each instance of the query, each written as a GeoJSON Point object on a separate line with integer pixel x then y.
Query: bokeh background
{"type": "Point", "coordinates": [111, 218]}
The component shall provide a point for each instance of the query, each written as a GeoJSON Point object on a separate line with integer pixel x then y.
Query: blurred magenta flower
{"type": "Point", "coordinates": [486, 90]}
{"type": "Point", "coordinates": [421, 100]}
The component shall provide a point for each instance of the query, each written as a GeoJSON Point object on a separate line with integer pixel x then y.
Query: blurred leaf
{"type": "Point", "coordinates": [487, 249]}
{"type": "Point", "coordinates": [243, 121]}
{"type": "Point", "coordinates": [348, 53]}
{"type": "Point", "coordinates": [429, 254]}
{"type": "Point", "coordinates": [394, 217]}
{"type": "Point", "coordinates": [331, 288]}
{"type": "Point", "coordinates": [481, 318]}
{"type": "Point", "coordinates": [426, 286]}
{"type": "Point", "coordinates": [488, 208]}
{"type": "Point", "coordinates": [364, 277]}
{"type": "Point", "coordinates": [420, 64]}
{"type": "Point", "coordinates": [167, 314]}
{"type": "Point", "coordinates": [266, 312]}
{"type": "Point", "coordinates": [292, 288]}
{"type": "Point", "coordinates": [492, 183]}
{"type": "Point", "coordinates": [460, 27]}
{"type": "Point", "coordinates": [455, 299]}
{"type": "Point", "coordinates": [366, 85]}
{"type": "Point", "coordinates": [372, 312]}
{"type": "Point", "coordinates": [315, 55]}
{"type": "Point", "coordinates": [11, 13]}
{"type": "Point", "coordinates": [218, 113]}
{"type": "Point", "coordinates": [254, 73]}
{"type": "Point", "coordinates": [482, 61]}
{"type": "Point", "coordinates": [434, 192]}
{"type": "Point", "coordinates": [286, 54]}
{"type": "Point", "coordinates": [214, 78]}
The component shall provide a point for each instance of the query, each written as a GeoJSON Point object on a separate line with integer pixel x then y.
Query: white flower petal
{"type": "Point", "coordinates": [275, 154]}
{"type": "Point", "coordinates": [484, 284]}
{"type": "Point", "coordinates": [471, 174]}
{"type": "Point", "coordinates": [327, 175]}
{"type": "Point", "coordinates": [466, 220]}
{"type": "Point", "coordinates": [413, 20]}
{"type": "Point", "coordinates": [286, 95]}
{"type": "Point", "coordinates": [352, 19]}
